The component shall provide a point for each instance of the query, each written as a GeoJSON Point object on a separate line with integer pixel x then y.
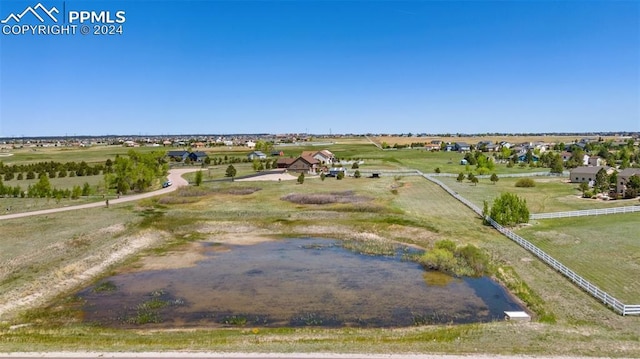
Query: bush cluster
{"type": "Point", "coordinates": [446, 256]}
{"type": "Point", "coordinates": [525, 182]}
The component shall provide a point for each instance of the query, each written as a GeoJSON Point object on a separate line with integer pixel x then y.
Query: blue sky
{"type": "Point", "coordinates": [327, 66]}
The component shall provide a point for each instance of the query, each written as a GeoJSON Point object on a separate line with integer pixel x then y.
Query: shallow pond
{"type": "Point", "coordinates": [297, 282]}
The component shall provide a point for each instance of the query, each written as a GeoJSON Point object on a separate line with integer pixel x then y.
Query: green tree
{"type": "Point", "coordinates": [509, 209]}
{"type": "Point", "coordinates": [584, 187]}
{"type": "Point", "coordinates": [76, 192]}
{"type": "Point", "coordinates": [494, 178]}
{"type": "Point", "coordinates": [136, 171]}
{"type": "Point", "coordinates": [474, 180]}
{"type": "Point", "coordinates": [602, 181]}
{"type": "Point", "coordinates": [198, 179]}
{"type": "Point", "coordinates": [355, 165]}
{"type": "Point", "coordinates": [301, 178]}
{"type": "Point", "coordinates": [557, 166]}
{"type": "Point", "coordinates": [86, 189]}
{"type": "Point", "coordinates": [322, 176]}
{"type": "Point", "coordinates": [460, 177]}
{"type": "Point", "coordinates": [340, 175]}
{"type": "Point", "coordinates": [43, 187]}
{"type": "Point", "coordinates": [231, 171]}
{"type": "Point", "coordinates": [438, 170]}
{"type": "Point", "coordinates": [634, 182]}
{"type": "Point", "coordinates": [357, 174]}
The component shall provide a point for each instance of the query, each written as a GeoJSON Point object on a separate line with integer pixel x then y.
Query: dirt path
{"type": "Point", "coordinates": [175, 176]}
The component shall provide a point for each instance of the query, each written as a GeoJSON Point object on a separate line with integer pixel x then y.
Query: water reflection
{"type": "Point", "coordinates": [298, 282]}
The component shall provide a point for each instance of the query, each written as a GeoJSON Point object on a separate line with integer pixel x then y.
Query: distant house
{"type": "Point", "coordinates": [304, 164]}
{"type": "Point", "coordinates": [324, 156]}
{"type": "Point", "coordinates": [432, 147]}
{"type": "Point", "coordinates": [587, 174]}
{"type": "Point", "coordinates": [259, 155]}
{"type": "Point", "coordinates": [178, 156]}
{"type": "Point", "coordinates": [449, 147]}
{"type": "Point", "coordinates": [277, 153]}
{"type": "Point", "coordinates": [523, 158]}
{"type": "Point", "coordinates": [565, 156]}
{"type": "Point", "coordinates": [596, 161]}
{"type": "Point", "coordinates": [462, 147]}
{"type": "Point", "coordinates": [488, 146]}
{"type": "Point", "coordinates": [198, 156]}
{"type": "Point", "coordinates": [623, 179]}
{"type": "Point", "coordinates": [284, 162]}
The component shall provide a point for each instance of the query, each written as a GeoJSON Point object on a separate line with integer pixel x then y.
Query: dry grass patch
{"type": "Point", "coordinates": [325, 198]}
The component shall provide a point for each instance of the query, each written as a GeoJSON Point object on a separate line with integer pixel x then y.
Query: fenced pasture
{"type": "Point", "coordinates": [550, 194]}
{"type": "Point", "coordinates": [604, 250]}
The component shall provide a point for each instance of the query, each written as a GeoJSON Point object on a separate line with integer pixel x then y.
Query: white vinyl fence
{"type": "Point", "coordinates": [606, 298]}
{"type": "Point", "coordinates": [587, 212]}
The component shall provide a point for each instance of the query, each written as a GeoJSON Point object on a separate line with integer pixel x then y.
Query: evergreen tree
{"type": "Point", "coordinates": [198, 179]}
{"type": "Point", "coordinates": [231, 171]}
{"type": "Point", "coordinates": [494, 178]}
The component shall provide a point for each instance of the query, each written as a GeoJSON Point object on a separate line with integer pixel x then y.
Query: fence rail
{"type": "Point", "coordinates": [586, 212]}
{"type": "Point", "coordinates": [606, 298]}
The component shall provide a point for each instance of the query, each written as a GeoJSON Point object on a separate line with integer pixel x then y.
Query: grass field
{"type": "Point", "coordinates": [549, 195]}
{"type": "Point", "coordinates": [603, 249]}
{"type": "Point", "coordinates": [46, 251]}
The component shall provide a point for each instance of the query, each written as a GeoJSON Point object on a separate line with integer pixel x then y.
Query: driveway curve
{"type": "Point", "coordinates": [175, 176]}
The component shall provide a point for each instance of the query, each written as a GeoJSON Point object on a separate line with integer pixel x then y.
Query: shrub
{"type": "Point", "coordinates": [525, 182]}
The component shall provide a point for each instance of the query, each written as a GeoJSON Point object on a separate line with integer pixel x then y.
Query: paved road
{"type": "Point", "coordinates": [175, 176]}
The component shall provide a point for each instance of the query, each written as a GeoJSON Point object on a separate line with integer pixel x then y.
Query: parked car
{"type": "Point", "coordinates": [166, 184]}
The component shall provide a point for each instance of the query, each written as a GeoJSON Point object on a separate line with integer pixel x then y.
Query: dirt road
{"type": "Point", "coordinates": [175, 176]}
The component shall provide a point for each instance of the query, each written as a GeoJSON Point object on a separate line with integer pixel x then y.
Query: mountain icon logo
{"type": "Point", "coordinates": [35, 11]}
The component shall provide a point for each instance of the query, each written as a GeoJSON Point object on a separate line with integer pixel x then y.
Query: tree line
{"type": "Point", "coordinates": [51, 169]}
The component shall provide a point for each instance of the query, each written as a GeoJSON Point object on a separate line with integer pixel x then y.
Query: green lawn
{"type": "Point", "coordinates": [603, 249]}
